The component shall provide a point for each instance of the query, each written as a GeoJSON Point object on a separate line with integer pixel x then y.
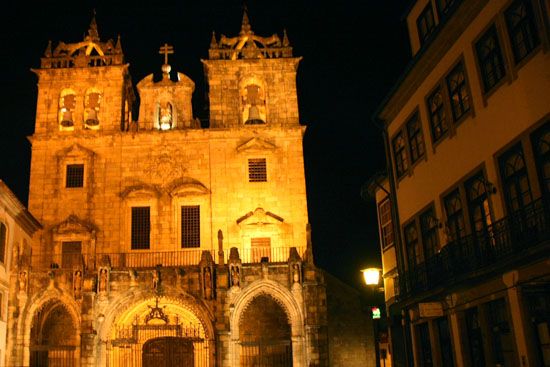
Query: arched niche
{"type": "Point", "coordinates": [92, 104]}
{"type": "Point", "coordinates": [253, 98]}
{"type": "Point", "coordinates": [67, 105]}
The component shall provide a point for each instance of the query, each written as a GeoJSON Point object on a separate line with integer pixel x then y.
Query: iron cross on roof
{"type": "Point", "coordinates": [166, 49]}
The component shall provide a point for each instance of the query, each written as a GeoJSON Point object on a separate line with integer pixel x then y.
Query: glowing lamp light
{"type": "Point", "coordinates": [371, 275]}
{"type": "Point", "coordinates": [165, 126]}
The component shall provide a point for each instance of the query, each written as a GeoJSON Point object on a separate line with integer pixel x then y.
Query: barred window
{"type": "Point", "coordinates": [438, 116]}
{"type": "Point", "coordinates": [489, 56]}
{"type": "Point", "coordinates": [190, 226]}
{"type": "Point", "coordinates": [3, 239]}
{"type": "Point", "coordinates": [141, 227]}
{"type": "Point", "coordinates": [386, 225]}
{"type": "Point", "coordinates": [71, 253]}
{"type": "Point", "coordinates": [522, 28]}
{"type": "Point", "coordinates": [425, 23]}
{"type": "Point", "coordinates": [400, 154]}
{"type": "Point", "coordinates": [416, 138]}
{"type": "Point", "coordinates": [75, 175]}
{"type": "Point", "coordinates": [458, 91]}
{"type": "Point", "coordinates": [257, 170]}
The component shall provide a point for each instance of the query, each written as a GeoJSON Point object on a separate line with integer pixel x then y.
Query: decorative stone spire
{"type": "Point", "coordinates": [245, 26]}
{"type": "Point", "coordinates": [286, 43]}
{"type": "Point", "coordinates": [48, 51]}
{"type": "Point", "coordinates": [118, 45]}
{"type": "Point", "coordinates": [93, 34]}
{"type": "Point", "coordinates": [213, 42]}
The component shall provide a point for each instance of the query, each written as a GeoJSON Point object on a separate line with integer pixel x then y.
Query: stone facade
{"type": "Point", "coordinates": [158, 232]}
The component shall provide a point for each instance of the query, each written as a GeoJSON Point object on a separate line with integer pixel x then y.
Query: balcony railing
{"type": "Point", "coordinates": [506, 239]}
{"type": "Point", "coordinates": [145, 259]}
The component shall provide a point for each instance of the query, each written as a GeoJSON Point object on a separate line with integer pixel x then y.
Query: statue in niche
{"type": "Point", "coordinates": [207, 283]}
{"type": "Point", "coordinates": [103, 280]}
{"type": "Point", "coordinates": [295, 273]}
{"type": "Point", "coordinates": [254, 105]}
{"type": "Point", "coordinates": [77, 284]}
{"type": "Point", "coordinates": [23, 281]}
{"type": "Point", "coordinates": [235, 276]}
{"type": "Point", "coordinates": [156, 280]}
{"type": "Point", "coordinates": [165, 115]}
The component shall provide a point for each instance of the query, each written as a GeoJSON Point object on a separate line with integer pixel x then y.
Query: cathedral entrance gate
{"type": "Point", "coordinates": [168, 351]}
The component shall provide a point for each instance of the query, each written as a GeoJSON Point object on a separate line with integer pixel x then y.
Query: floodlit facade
{"type": "Point", "coordinates": [17, 227]}
{"type": "Point", "coordinates": [166, 243]}
{"type": "Point", "coordinates": [464, 211]}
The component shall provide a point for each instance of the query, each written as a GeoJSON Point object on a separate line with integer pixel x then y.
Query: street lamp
{"type": "Point", "coordinates": [372, 280]}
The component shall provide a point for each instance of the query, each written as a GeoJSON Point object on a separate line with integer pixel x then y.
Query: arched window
{"type": "Point", "coordinates": [253, 103]}
{"type": "Point", "coordinates": [3, 240]}
{"type": "Point", "coordinates": [165, 115]}
{"type": "Point", "coordinates": [92, 102]}
{"type": "Point", "coordinates": [67, 103]}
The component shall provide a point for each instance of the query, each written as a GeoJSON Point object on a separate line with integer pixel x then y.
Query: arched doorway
{"type": "Point", "coordinates": [168, 351]}
{"type": "Point", "coordinates": [264, 333]}
{"type": "Point", "coordinates": [53, 337]}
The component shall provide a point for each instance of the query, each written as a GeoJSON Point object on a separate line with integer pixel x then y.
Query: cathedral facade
{"type": "Point", "coordinates": [166, 243]}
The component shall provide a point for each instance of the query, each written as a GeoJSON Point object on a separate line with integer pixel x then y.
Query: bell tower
{"type": "Point", "coordinates": [251, 80]}
{"type": "Point", "coordinates": [83, 87]}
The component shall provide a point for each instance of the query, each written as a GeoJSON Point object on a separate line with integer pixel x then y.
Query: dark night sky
{"type": "Point", "coordinates": [353, 51]}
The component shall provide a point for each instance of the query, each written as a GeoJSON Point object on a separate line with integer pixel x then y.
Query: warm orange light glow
{"type": "Point", "coordinates": [371, 275]}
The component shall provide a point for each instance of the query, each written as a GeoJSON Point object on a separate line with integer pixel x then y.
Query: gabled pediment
{"type": "Point", "coordinates": [75, 150]}
{"type": "Point", "coordinates": [185, 187]}
{"type": "Point", "coordinates": [259, 217]}
{"type": "Point", "coordinates": [141, 190]}
{"type": "Point", "coordinates": [73, 224]}
{"type": "Point", "coordinates": [256, 144]}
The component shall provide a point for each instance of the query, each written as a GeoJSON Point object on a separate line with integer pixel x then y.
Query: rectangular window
{"type": "Point", "coordinates": [425, 350]}
{"type": "Point", "coordinates": [455, 216]}
{"type": "Point", "coordinates": [3, 240]}
{"type": "Point", "coordinates": [190, 226]}
{"type": "Point", "coordinates": [386, 224]}
{"type": "Point", "coordinates": [75, 175]}
{"type": "Point", "coordinates": [400, 154]}
{"type": "Point", "coordinates": [522, 28]}
{"type": "Point", "coordinates": [257, 170]}
{"type": "Point", "coordinates": [416, 138]}
{"type": "Point", "coordinates": [141, 227]}
{"type": "Point", "coordinates": [458, 91]}
{"type": "Point", "coordinates": [541, 148]}
{"type": "Point", "coordinates": [428, 227]}
{"type": "Point", "coordinates": [425, 23]}
{"type": "Point", "coordinates": [489, 57]}
{"type": "Point", "coordinates": [438, 116]}
{"type": "Point", "coordinates": [515, 181]}
{"type": "Point", "coordinates": [260, 247]}
{"type": "Point", "coordinates": [414, 252]}
{"type": "Point", "coordinates": [71, 254]}
{"type": "Point", "coordinates": [445, 345]}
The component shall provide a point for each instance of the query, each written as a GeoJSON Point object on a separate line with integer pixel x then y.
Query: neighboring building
{"type": "Point", "coordinates": [166, 243]}
{"type": "Point", "coordinates": [464, 212]}
{"type": "Point", "coordinates": [17, 227]}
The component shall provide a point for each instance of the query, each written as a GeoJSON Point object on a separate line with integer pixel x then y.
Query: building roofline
{"type": "Point", "coordinates": [17, 210]}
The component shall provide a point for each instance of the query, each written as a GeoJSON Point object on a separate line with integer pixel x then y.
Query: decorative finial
{"type": "Point", "coordinates": [245, 26]}
{"type": "Point", "coordinates": [118, 45]}
{"type": "Point", "coordinates": [48, 51]}
{"type": "Point", "coordinates": [286, 43]}
{"type": "Point", "coordinates": [93, 34]}
{"type": "Point", "coordinates": [166, 49]}
{"type": "Point", "coordinates": [213, 42]}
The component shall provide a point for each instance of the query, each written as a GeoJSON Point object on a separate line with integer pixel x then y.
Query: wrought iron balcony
{"type": "Point", "coordinates": [510, 240]}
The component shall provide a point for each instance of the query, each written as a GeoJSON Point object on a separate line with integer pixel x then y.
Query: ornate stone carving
{"type": "Point", "coordinates": [206, 266]}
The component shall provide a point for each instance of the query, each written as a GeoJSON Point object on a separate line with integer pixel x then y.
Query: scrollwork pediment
{"type": "Point", "coordinates": [259, 217]}
{"type": "Point", "coordinates": [185, 187]}
{"type": "Point", "coordinates": [75, 150]}
{"type": "Point", "coordinates": [141, 190]}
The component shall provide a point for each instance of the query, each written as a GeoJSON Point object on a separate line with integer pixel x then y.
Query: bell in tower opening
{"type": "Point", "coordinates": [91, 109]}
{"type": "Point", "coordinates": [67, 103]}
{"type": "Point", "coordinates": [253, 105]}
